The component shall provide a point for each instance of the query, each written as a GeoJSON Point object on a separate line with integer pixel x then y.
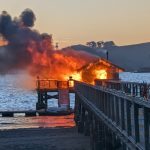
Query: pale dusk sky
{"type": "Point", "coordinates": [79, 21]}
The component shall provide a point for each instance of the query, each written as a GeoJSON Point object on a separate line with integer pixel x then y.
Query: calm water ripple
{"type": "Point", "coordinates": [16, 94]}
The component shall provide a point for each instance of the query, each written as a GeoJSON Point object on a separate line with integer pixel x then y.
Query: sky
{"type": "Point", "coordinates": [79, 21]}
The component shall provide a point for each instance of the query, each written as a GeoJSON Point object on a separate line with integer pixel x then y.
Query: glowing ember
{"type": "Point", "coordinates": [101, 74]}
{"type": "Point", "coordinates": [76, 76]}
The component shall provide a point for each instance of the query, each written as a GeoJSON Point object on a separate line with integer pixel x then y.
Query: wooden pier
{"type": "Point", "coordinates": [114, 114]}
{"type": "Point", "coordinates": [113, 119]}
{"type": "Point", "coordinates": [61, 89]}
{"type": "Point", "coordinates": [45, 88]}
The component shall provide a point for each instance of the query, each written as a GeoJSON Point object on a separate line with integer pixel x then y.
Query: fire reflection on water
{"type": "Point", "coordinates": [36, 122]}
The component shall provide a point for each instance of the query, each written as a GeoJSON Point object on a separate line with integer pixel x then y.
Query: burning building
{"type": "Point", "coordinates": [99, 69]}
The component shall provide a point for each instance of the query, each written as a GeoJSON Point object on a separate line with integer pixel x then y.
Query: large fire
{"type": "Point", "coordinates": [28, 49]}
{"type": "Point", "coordinates": [61, 64]}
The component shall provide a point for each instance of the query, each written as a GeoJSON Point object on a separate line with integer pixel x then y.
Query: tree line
{"type": "Point", "coordinates": [100, 44]}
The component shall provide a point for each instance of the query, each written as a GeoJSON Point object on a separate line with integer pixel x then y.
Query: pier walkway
{"type": "Point", "coordinates": [43, 139]}
{"type": "Point", "coordinates": [112, 118]}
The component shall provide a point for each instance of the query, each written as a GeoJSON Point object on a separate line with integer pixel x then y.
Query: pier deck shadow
{"type": "Point", "coordinates": [43, 139]}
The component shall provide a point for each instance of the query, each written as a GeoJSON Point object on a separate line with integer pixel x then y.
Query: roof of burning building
{"type": "Point", "coordinates": [102, 62]}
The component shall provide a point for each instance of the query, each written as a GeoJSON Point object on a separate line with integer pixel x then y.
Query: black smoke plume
{"type": "Point", "coordinates": [19, 34]}
{"type": "Point", "coordinates": [28, 18]}
{"type": "Point", "coordinates": [29, 50]}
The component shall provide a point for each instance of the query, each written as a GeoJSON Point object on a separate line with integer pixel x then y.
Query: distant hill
{"type": "Point", "coordinates": [135, 58]}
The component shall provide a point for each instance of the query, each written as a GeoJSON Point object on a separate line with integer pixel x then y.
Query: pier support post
{"type": "Point", "coordinates": [146, 129]}
{"type": "Point", "coordinates": [81, 120]}
{"type": "Point", "coordinates": [77, 109]}
{"type": "Point", "coordinates": [117, 145]}
{"type": "Point", "coordinates": [87, 123]}
{"type": "Point", "coordinates": [97, 134]}
{"type": "Point", "coordinates": [136, 123]}
{"type": "Point", "coordinates": [128, 118]}
{"type": "Point", "coordinates": [42, 100]}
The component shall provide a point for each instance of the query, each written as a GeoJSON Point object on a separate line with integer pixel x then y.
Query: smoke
{"type": "Point", "coordinates": [19, 35]}
{"type": "Point", "coordinates": [28, 18]}
{"type": "Point", "coordinates": [28, 49]}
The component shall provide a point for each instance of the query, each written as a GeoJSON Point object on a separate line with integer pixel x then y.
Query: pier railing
{"type": "Point", "coordinates": [131, 88]}
{"type": "Point", "coordinates": [114, 116]}
{"type": "Point", "coordinates": [51, 84]}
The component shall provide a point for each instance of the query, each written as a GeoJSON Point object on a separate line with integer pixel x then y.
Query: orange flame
{"type": "Point", "coordinates": [75, 76]}
{"type": "Point", "coordinates": [3, 42]}
{"type": "Point", "coordinates": [61, 64]}
{"type": "Point", "coordinates": [101, 74]}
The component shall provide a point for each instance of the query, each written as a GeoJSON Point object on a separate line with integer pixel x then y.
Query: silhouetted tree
{"type": "Point", "coordinates": [109, 44]}
{"type": "Point", "coordinates": [100, 44]}
{"type": "Point", "coordinates": [91, 44]}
